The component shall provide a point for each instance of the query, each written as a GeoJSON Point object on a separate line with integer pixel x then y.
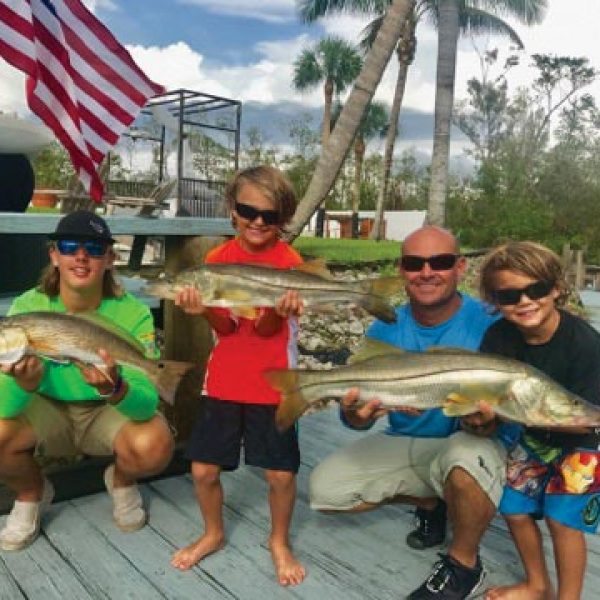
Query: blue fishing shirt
{"type": "Point", "coordinates": [464, 329]}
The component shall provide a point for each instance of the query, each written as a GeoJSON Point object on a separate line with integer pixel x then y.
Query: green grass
{"type": "Point", "coordinates": [43, 209]}
{"type": "Point", "coordinates": [347, 251]}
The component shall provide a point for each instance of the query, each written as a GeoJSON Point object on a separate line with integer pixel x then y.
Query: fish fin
{"type": "Point", "coordinates": [317, 266]}
{"type": "Point", "coordinates": [466, 400]}
{"type": "Point", "coordinates": [247, 312]}
{"type": "Point", "coordinates": [161, 288]}
{"type": "Point", "coordinates": [457, 405]}
{"type": "Point", "coordinates": [112, 327]}
{"type": "Point", "coordinates": [234, 296]}
{"type": "Point", "coordinates": [383, 286]}
{"type": "Point", "coordinates": [169, 375]}
{"type": "Point", "coordinates": [371, 348]}
{"type": "Point", "coordinates": [375, 294]}
{"type": "Point", "coordinates": [292, 404]}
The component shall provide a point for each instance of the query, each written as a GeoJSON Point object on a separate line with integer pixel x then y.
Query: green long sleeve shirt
{"type": "Point", "coordinates": [64, 382]}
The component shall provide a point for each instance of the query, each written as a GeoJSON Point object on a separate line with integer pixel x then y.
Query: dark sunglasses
{"type": "Point", "coordinates": [534, 291]}
{"type": "Point", "coordinates": [437, 262]}
{"type": "Point", "coordinates": [94, 248]}
{"type": "Point", "coordinates": [269, 217]}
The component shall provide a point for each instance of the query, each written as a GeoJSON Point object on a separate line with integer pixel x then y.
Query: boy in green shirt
{"type": "Point", "coordinates": [60, 410]}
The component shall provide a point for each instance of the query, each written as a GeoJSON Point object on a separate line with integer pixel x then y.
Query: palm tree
{"type": "Point", "coordinates": [374, 124]}
{"type": "Point", "coordinates": [333, 62]}
{"type": "Point", "coordinates": [333, 154]}
{"type": "Point", "coordinates": [472, 20]}
{"type": "Point", "coordinates": [449, 24]}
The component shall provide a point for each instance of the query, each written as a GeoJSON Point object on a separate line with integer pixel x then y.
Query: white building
{"type": "Point", "coordinates": [398, 223]}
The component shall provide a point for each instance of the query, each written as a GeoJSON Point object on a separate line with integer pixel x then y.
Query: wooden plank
{"type": "Point", "coordinates": [8, 586]}
{"type": "Point", "coordinates": [187, 338]}
{"type": "Point", "coordinates": [29, 223]}
{"type": "Point", "coordinates": [252, 576]}
{"type": "Point", "coordinates": [105, 569]}
{"type": "Point", "coordinates": [147, 553]}
{"type": "Point", "coordinates": [41, 572]}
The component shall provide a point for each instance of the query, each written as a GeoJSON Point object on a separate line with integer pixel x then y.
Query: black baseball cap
{"type": "Point", "coordinates": [82, 225]}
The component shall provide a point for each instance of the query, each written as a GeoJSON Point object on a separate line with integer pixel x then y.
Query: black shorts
{"type": "Point", "coordinates": [223, 427]}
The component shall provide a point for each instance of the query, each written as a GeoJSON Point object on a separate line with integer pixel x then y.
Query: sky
{"type": "Point", "coordinates": [245, 50]}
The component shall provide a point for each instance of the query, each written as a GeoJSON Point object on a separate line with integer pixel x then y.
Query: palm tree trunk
{"type": "Point", "coordinates": [448, 31]}
{"type": "Point", "coordinates": [332, 156]}
{"type": "Point", "coordinates": [406, 53]}
{"type": "Point", "coordinates": [326, 129]}
{"type": "Point", "coordinates": [390, 142]}
{"type": "Point", "coordinates": [359, 154]}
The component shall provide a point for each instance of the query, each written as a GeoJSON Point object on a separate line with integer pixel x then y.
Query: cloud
{"type": "Point", "coordinates": [271, 11]}
{"type": "Point", "coordinates": [268, 79]}
{"type": "Point", "coordinates": [12, 90]}
{"type": "Point", "coordinates": [109, 5]}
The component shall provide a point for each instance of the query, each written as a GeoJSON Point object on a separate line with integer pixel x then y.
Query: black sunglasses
{"type": "Point", "coordinates": [534, 291]}
{"type": "Point", "coordinates": [269, 217]}
{"type": "Point", "coordinates": [437, 262]}
{"type": "Point", "coordinates": [94, 248]}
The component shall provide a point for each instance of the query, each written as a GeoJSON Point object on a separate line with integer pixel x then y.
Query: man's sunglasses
{"type": "Point", "coordinates": [437, 262]}
{"type": "Point", "coordinates": [269, 217]}
{"type": "Point", "coordinates": [93, 248]}
{"type": "Point", "coordinates": [534, 291]}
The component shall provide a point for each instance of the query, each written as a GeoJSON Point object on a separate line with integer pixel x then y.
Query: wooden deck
{"type": "Point", "coordinates": [80, 554]}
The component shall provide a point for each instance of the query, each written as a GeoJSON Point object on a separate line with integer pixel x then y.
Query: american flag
{"type": "Point", "coordinates": [82, 83]}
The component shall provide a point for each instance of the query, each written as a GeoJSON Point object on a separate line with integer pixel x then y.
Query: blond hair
{"type": "Point", "coordinates": [530, 259]}
{"type": "Point", "coordinates": [272, 183]}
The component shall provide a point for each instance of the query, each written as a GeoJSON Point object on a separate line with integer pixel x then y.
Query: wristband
{"type": "Point", "coordinates": [116, 389]}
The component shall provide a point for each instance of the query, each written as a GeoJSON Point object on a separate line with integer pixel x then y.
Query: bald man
{"type": "Point", "coordinates": [425, 458]}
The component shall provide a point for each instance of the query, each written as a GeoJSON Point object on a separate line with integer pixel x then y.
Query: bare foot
{"type": "Point", "coordinates": [288, 569]}
{"type": "Point", "coordinates": [190, 555]}
{"type": "Point", "coordinates": [520, 591]}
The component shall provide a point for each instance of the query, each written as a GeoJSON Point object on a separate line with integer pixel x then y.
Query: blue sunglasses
{"type": "Point", "coordinates": [93, 248]}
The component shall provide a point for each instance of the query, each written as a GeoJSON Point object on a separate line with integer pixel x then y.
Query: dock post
{"type": "Point", "coordinates": [187, 337]}
{"type": "Point", "coordinates": [579, 270]}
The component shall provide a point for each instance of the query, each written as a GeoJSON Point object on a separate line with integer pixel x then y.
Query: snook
{"type": "Point", "coordinates": [454, 379]}
{"type": "Point", "coordinates": [68, 338]}
{"type": "Point", "coordinates": [242, 286]}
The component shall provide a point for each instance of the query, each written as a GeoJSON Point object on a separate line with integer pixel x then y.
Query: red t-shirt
{"type": "Point", "coordinates": [235, 367]}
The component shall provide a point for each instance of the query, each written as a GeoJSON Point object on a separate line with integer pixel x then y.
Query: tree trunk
{"type": "Point", "coordinates": [406, 52]}
{"type": "Point", "coordinates": [328, 89]}
{"type": "Point", "coordinates": [448, 31]}
{"type": "Point", "coordinates": [359, 153]}
{"type": "Point", "coordinates": [333, 154]}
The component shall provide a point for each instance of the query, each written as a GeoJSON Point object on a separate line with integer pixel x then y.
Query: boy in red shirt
{"type": "Point", "coordinates": [238, 403]}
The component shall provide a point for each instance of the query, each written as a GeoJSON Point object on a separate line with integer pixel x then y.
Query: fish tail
{"type": "Point", "coordinates": [168, 377]}
{"type": "Point", "coordinates": [375, 300]}
{"type": "Point", "coordinates": [293, 403]}
{"type": "Point", "coordinates": [161, 289]}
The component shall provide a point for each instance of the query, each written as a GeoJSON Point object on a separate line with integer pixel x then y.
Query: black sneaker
{"type": "Point", "coordinates": [431, 527]}
{"type": "Point", "coordinates": [449, 580]}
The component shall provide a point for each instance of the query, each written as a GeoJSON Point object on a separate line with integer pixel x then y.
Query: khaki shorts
{"type": "Point", "coordinates": [378, 467]}
{"type": "Point", "coordinates": [71, 428]}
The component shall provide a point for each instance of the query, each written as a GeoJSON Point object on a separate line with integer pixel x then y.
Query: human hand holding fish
{"type": "Point", "coordinates": [105, 377]}
{"type": "Point", "coordinates": [290, 304]}
{"type": "Point", "coordinates": [189, 300]}
{"type": "Point", "coordinates": [361, 415]}
{"type": "Point", "coordinates": [27, 372]}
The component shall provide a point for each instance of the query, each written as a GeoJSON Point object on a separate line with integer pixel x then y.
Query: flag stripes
{"type": "Point", "coordinates": [82, 83]}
